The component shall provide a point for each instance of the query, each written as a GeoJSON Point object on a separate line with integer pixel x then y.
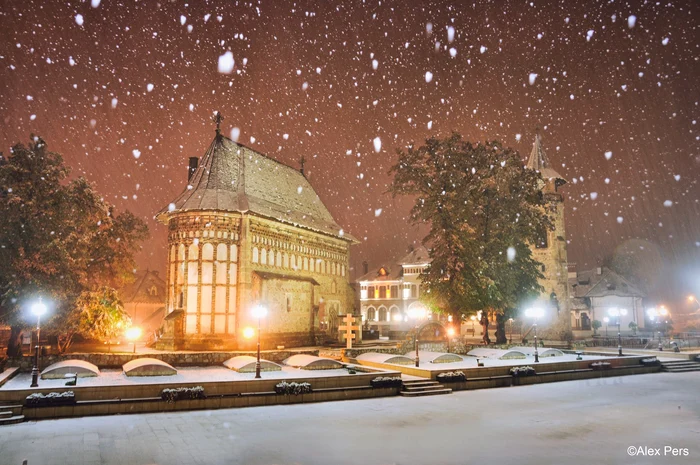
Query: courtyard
{"type": "Point", "coordinates": [588, 422]}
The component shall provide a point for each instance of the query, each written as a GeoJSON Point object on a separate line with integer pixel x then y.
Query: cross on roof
{"type": "Point", "coordinates": [217, 118]}
{"type": "Point", "coordinates": [348, 328]}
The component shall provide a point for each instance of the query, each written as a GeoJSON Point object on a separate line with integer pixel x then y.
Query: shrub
{"type": "Point", "coordinates": [523, 371]}
{"type": "Point", "coordinates": [452, 377]}
{"type": "Point", "coordinates": [285, 388]}
{"type": "Point", "coordinates": [386, 381]}
{"type": "Point", "coordinates": [52, 398]}
{"type": "Point", "coordinates": [182, 393]}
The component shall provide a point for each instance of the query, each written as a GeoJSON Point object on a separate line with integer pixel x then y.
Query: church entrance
{"type": "Point", "coordinates": [585, 322]}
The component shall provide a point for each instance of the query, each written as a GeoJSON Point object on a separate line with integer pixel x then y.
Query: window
{"type": "Point", "coordinates": [153, 291]}
{"type": "Point", "coordinates": [382, 314]}
{"type": "Point", "coordinates": [371, 292]}
{"type": "Point", "coordinates": [414, 291]}
{"type": "Point", "coordinates": [394, 292]}
{"type": "Point", "coordinates": [289, 302]}
{"type": "Point", "coordinates": [382, 292]}
{"type": "Point", "coordinates": [371, 314]}
{"type": "Point", "coordinates": [334, 287]}
{"type": "Point", "coordinates": [255, 255]}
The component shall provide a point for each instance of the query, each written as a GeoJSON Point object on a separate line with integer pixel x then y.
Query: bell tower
{"type": "Point", "coordinates": [550, 249]}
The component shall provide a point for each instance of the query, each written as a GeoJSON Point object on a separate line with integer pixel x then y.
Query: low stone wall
{"type": "Point", "coordinates": [176, 359]}
{"type": "Point", "coordinates": [147, 405]}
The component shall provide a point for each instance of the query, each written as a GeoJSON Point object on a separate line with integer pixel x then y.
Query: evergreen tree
{"type": "Point", "coordinates": [484, 209]}
{"type": "Point", "coordinates": [58, 238]}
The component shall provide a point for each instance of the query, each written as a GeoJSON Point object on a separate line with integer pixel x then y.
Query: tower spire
{"type": "Point", "coordinates": [217, 118]}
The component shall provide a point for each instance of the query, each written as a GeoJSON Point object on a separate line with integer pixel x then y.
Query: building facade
{"type": "Point", "coordinates": [390, 296]}
{"type": "Point", "coordinates": [247, 231]}
{"type": "Point", "coordinates": [144, 301]}
{"type": "Point", "coordinates": [594, 293]}
{"type": "Point", "coordinates": [550, 250]}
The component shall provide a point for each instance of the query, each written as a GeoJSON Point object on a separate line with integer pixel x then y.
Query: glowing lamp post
{"type": "Point", "coordinates": [655, 315]}
{"type": "Point", "coordinates": [417, 314]}
{"type": "Point", "coordinates": [473, 318]}
{"type": "Point", "coordinates": [619, 313]}
{"type": "Point", "coordinates": [132, 334]}
{"type": "Point", "coordinates": [450, 334]}
{"type": "Point", "coordinates": [510, 339]}
{"type": "Point", "coordinates": [692, 298]}
{"type": "Point", "coordinates": [535, 313]}
{"type": "Point", "coordinates": [259, 312]}
{"type": "Point", "coordinates": [38, 309]}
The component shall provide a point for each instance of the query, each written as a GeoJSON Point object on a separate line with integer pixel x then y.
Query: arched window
{"type": "Point", "coordinates": [334, 287]}
{"type": "Point", "coordinates": [278, 262]}
{"type": "Point", "coordinates": [255, 255]}
{"type": "Point", "coordinates": [193, 253]}
{"type": "Point", "coordinates": [382, 314]}
{"type": "Point", "coordinates": [263, 257]}
{"type": "Point", "coordinates": [371, 314]}
{"type": "Point", "coordinates": [207, 252]}
{"type": "Point", "coordinates": [221, 252]}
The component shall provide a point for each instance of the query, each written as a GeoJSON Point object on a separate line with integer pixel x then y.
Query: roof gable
{"type": "Point", "coordinates": [232, 177]}
{"type": "Point", "coordinates": [611, 283]}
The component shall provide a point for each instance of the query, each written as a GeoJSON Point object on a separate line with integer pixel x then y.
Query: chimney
{"type": "Point", "coordinates": [365, 267]}
{"type": "Point", "coordinates": [194, 162]}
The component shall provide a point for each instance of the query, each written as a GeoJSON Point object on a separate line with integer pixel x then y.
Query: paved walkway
{"type": "Point", "coordinates": [577, 422]}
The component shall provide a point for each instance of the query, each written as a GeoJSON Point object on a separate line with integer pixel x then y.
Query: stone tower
{"type": "Point", "coordinates": [550, 250]}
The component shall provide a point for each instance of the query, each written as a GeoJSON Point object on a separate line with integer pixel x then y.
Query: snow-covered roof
{"type": "Point", "coordinates": [148, 367]}
{"type": "Point", "coordinates": [377, 357]}
{"type": "Point", "coordinates": [312, 362]}
{"type": "Point", "coordinates": [246, 364]}
{"type": "Point", "coordinates": [394, 272]}
{"type": "Point", "coordinates": [539, 162]}
{"type": "Point", "coordinates": [499, 354]}
{"type": "Point", "coordinates": [437, 357]}
{"type": "Point", "coordinates": [542, 351]}
{"type": "Point", "coordinates": [234, 178]}
{"type": "Point", "coordinates": [59, 370]}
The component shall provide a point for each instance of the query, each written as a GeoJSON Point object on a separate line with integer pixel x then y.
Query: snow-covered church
{"type": "Point", "coordinates": [248, 230]}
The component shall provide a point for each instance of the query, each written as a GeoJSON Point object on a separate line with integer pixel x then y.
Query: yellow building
{"type": "Point", "coordinates": [249, 230]}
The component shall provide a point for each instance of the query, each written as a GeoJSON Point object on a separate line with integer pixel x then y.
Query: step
{"type": "Point", "coordinates": [6, 413]}
{"type": "Point", "coordinates": [434, 392]}
{"type": "Point", "coordinates": [12, 420]}
{"type": "Point", "coordinates": [423, 388]}
{"type": "Point", "coordinates": [420, 383]}
{"type": "Point", "coordinates": [14, 409]}
{"type": "Point", "coordinates": [682, 370]}
{"type": "Point", "coordinates": [680, 362]}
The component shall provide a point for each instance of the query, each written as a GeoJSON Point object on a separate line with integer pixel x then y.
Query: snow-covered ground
{"type": "Point", "coordinates": [116, 377]}
{"type": "Point", "coordinates": [573, 422]}
{"type": "Point", "coordinates": [470, 362]}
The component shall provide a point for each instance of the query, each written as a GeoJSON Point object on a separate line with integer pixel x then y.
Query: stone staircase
{"type": "Point", "coordinates": [680, 366]}
{"type": "Point", "coordinates": [420, 387]}
{"type": "Point", "coordinates": [10, 414]}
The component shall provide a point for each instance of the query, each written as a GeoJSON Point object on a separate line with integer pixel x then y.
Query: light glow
{"type": "Point", "coordinates": [534, 312]}
{"type": "Point", "coordinates": [259, 312]}
{"type": "Point", "coordinates": [133, 333]}
{"type": "Point", "coordinates": [248, 332]}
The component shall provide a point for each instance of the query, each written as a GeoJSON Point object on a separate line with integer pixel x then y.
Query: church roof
{"type": "Point", "coordinates": [234, 178]}
{"type": "Point", "coordinates": [539, 162]}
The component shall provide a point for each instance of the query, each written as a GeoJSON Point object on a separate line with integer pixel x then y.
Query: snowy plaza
{"type": "Point", "coordinates": [576, 422]}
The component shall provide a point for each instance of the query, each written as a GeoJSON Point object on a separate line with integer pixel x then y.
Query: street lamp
{"type": "Point", "coordinates": [473, 318]}
{"type": "Point", "coordinates": [38, 309]}
{"type": "Point", "coordinates": [535, 313]}
{"type": "Point", "coordinates": [655, 315]}
{"type": "Point", "coordinates": [450, 333]}
{"type": "Point", "coordinates": [259, 312]}
{"type": "Point", "coordinates": [692, 298]}
{"type": "Point", "coordinates": [510, 339]}
{"type": "Point", "coordinates": [606, 320]}
{"type": "Point", "coordinates": [619, 313]}
{"type": "Point", "coordinates": [132, 334]}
